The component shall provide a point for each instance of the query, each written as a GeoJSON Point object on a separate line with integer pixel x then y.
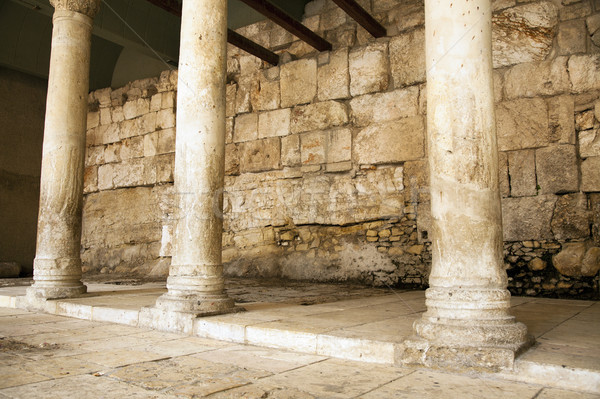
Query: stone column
{"type": "Point", "coordinates": [467, 323]}
{"type": "Point", "coordinates": [195, 283]}
{"type": "Point", "coordinates": [57, 264]}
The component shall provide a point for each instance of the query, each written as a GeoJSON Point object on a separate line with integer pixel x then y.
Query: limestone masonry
{"type": "Point", "coordinates": [326, 155]}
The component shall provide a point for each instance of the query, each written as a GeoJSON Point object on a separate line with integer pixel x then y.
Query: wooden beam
{"type": "Point", "coordinates": [361, 16]}
{"type": "Point", "coordinates": [288, 23]}
{"type": "Point", "coordinates": [174, 7]}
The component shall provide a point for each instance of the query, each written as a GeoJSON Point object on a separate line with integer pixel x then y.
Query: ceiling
{"type": "Point", "coordinates": [132, 39]}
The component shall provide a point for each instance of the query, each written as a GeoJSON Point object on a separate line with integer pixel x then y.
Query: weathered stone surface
{"type": "Point", "coordinates": [584, 120]}
{"type": "Point", "coordinates": [298, 82]}
{"type": "Point", "coordinates": [560, 115]}
{"type": "Point", "coordinates": [232, 160]}
{"type": "Point", "coordinates": [537, 264]}
{"type": "Point", "coordinates": [290, 150]}
{"type": "Point", "coordinates": [389, 142]}
{"type": "Point", "coordinates": [521, 166]}
{"type": "Point", "coordinates": [259, 155]}
{"type": "Point", "coordinates": [333, 77]}
{"type": "Point", "coordinates": [521, 224]}
{"type": "Point", "coordinates": [504, 182]}
{"type": "Point", "coordinates": [274, 123]}
{"type": "Point", "coordinates": [339, 146]}
{"type": "Point", "coordinates": [571, 38]}
{"type": "Point", "coordinates": [584, 71]}
{"type": "Point", "coordinates": [589, 143]}
{"type": "Point", "coordinates": [556, 168]}
{"type": "Point", "coordinates": [568, 261]}
{"type": "Point", "coordinates": [574, 11]}
{"type": "Point", "coordinates": [246, 84]}
{"type": "Point", "coordinates": [535, 79]}
{"type": "Point", "coordinates": [591, 262]}
{"type": "Point", "coordinates": [523, 33]}
{"type": "Point", "coordinates": [245, 128]}
{"type": "Point", "coordinates": [231, 92]}
{"type": "Point", "coordinates": [590, 174]}
{"type": "Point", "coordinates": [382, 107]}
{"type": "Point", "coordinates": [571, 218]}
{"type": "Point", "coordinates": [9, 269]}
{"type": "Point", "coordinates": [522, 124]}
{"type": "Point", "coordinates": [318, 116]}
{"type": "Point", "coordinates": [407, 58]}
{"type": "Point", "coordinates": [266, 96]}
{"type": "Point", "coordinates": [368, 69]}
{"type": "Point", "coordinates": [313, 147]}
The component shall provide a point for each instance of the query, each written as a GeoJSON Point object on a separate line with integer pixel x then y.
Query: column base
{"type": "Point", "coordinates": [481, 348]}
{"type": "Point", "coordinates": [197, 305]}
{"type": "Point", "coordinates": [55, 291]}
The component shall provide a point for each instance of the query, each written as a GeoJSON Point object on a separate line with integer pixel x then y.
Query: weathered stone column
{"type": "Point", "coordinates": [467, 323]}
{"type": "Point", "coordinates": [195, 284]}
{"type": "Point", "coordinates": [57, 265]}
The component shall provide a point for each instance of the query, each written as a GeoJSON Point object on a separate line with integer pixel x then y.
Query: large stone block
{"type": "Point", "coordinates": [388, 142]}
{"type": "Point", "coordinates": [528, 218]}
{"type": "Point", "coordinates": [571, 219]}
{"type": "Point", "coordinates": [556, 167]}
{"type": "Point", "coordinates": [407, 58]}
{"type": "Point", "coordinates": [333, 77]}
{"type": "Point", "coordinates": [232, 161]}
{"type": "Point", "coordinates": [231, 92]}
{"type": "Point", "coordinates": [246, 84]}
{"type": "Point", "coordinates": [318, 116]}
{"type": "Point", "coordinates": [274, 123]}
{"type": "Point", "coordinates": [416, 181]}
{"type": "Point", "coordinates": [290, 150]}
{"type": "Point", "coordinates": [266, 95]}
{"type": "Point", "coordinates": [522, 124]}
{"type": "Point", "coordinates": [521, 166]}
{"type": "Point", "coordinates": [584, 71]}
{"type": "Point", "coordinates": [369, 69]}
{"type": "Point", "coordinates": [590, 174]}
{"type": "Point", "coordinates": [503, 180]}
{"type": "Point", "coordinates": [589, 143]}
{"type": "Point", "coordinates": [568, 261]}
{"type": "Point", "coordinates": [298, 80]}
{"type": "Point", "coordinates": [523, 33]}
{"type": "Point", "coordinates": [245, 128]}
{"type": "Point", "coordinates": [313, 147]}
{"type": "Point", "coordinates": [533, 79]}
{"type": "Point", "coordinates": [260, 155]}
{"type": "Point", "coordinates": [382, 107]}
{"type": "Point", "coordinates": [560, 115]}
{"type": "Point", "coordinates": [339, 147]}
{"type": "Point", "coordinates": [571, 37]}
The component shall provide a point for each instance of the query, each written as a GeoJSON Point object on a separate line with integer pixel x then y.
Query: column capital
{"type": "Point", "coordinates": [85, 7]}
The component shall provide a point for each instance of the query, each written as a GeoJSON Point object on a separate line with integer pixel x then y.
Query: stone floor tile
{"type": "Point", "coordinates": [16, 374]}
{"type": "Point", "coordinates": [261, 391]}
{"type": "Point", "coordinates": [337, 378]}
{"type": "Point", "coordinates": [429, 384]}
{"type": "Point", "coordinates": [391, 330]}
{"type": "Point", "coordinates": [12, 312]}
{"type": "Point", "coordinates": [550, 393]}
{"type": "Point", "coordinates": [111, 343]}
{"type": "Point", "coordinates": [177, 347]}
{"type": "Point", "coordinates": [153, 335]}
{"type": "Point", "coordinates": [272, 360]}
{"type": "Point", "coordinates": [82, 386]}
{"type": "Point", "coordinates": [120, 357]}
{"type": "Point", "coordinates": [57, 367]}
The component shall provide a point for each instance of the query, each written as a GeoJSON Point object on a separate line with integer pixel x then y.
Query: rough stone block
{"type": "Point", "coordinates": [568, 261]}
{"type": "Point", "coordinates": [112, 153]}
{"type": "Point", "coordinates": [232, 161]}
{"type": "Point", "coordinates": [589, 143]}
{"type": "Point", "coordinates": [290, 150]}
{"type": "Point", "coordinates": [156, 102]}
{"type": "Point", "coordinates": [584, 71]}
{"type": "Point", "coordinates": [242, 97]}
{"type": "Point", "coordinates": [333, 78]}
{"type": "Point", "coordinates": [298, 82]}
{"type": "Point", "coordinates": [245, 128]}
{"type": "Point", "coordinates": [158, 169]}
{"type": "Point", "coordinates": [313, 147]}
{"type": "Point", "coordinates": [571, 219]}
{"type": "Point", "coordinates": [369, 69]}
{"type": "Point", "coordinates": [531, 41]}
{"type": "Point", "coordinates": [584, 120]}
{"type": "Point", "coordinates": [266, 95]}
{"type": "Point", "coordinates": [557, 169]}
{"type": "Point", "coordinates": [382, 107]}
{"type": "Point", "coordinates": [94, 155]}
{"type": "Point", "coordinates": [260, 155]}
{"type": "Point", "coordinates": [150, 144]}
{"type": "Point", "coordinates": [560, 115]}
{"type": "Point", "coordinates": [389, 142]}
{"type": "Point", "coordinates": [106, 134]}
{"type": "Point", "coordinates": [545, 78]}
{"type": "Point", "coordinates": [590, 174]}
{"type": "Point", "coordinates": [407, 58]}
{"type": "Point", "coordinates": [318, 116]}
{"type": "Point", "coordinates": [117, 114]}
{"type": "Point", "coordinates": [521, 124]}
{"type": "Point", "coordinates": [521, 166]}
{"type": "Point", "coordinates": [93, 119]}
{"type": "Point", "coordinates": [231, 92]}
{"type": "Point", "coordinates": [503, 183]}
{"type": "Point", "coordinates": [274, 123]}
{"type": "Point", "coordinates": [339, 147]}
{"type": "Point", "coordinates": [165, 119]}
{"type": "Point", "coordinates": [132, 148]}
{"type": "Point", "coordinates": [528, 218]}
{"type": "Point", "coordinates": [166, 141]}
{"type": "Point", "coordinates": [90, 179]}
{"type": "Point", "coordinates": [574, 11]}
{"type": "Point", "coordinates": [128, 173]}
{"type": "Point", "coordinates": [105, 177]}
{"type": "Point", "coordinates": [571, 38]}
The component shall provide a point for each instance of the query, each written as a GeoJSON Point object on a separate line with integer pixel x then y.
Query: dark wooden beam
{"type": "Point", "coordinates": [361, 16]}
{"type": "Point", "coordinates": [288, 23]}
{"type": "Point", "coordinates": [174, 7]}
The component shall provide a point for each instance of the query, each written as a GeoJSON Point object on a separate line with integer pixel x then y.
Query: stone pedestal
{"type": "Point", "coordinates": [195, 283]}
{"type": "Point", "coordinates": [467, 323]}
{"type": "Point", "coordinates": [57, 265]}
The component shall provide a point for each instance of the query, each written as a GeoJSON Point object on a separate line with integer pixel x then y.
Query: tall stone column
{"type": "Point", "coordinates": [467, 323]}
{"type": "Point", "coordinates": [195, 283]}
{"type": "Point", "coordinates": [57, 265]}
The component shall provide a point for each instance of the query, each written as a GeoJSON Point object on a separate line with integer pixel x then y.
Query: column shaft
{"type": "Point", "coordinates": [195, 283]}
{"type": "Point", "coordinates": [467, 302]}
{"type": "Point", "coordinates": [57, 265]}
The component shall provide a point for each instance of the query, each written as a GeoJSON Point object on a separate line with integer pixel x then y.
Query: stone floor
{"type": "Point", "coordinates": [307, 339]}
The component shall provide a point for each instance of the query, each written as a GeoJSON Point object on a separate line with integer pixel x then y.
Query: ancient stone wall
{"type": "Point", "coordinates": [326, 156]}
